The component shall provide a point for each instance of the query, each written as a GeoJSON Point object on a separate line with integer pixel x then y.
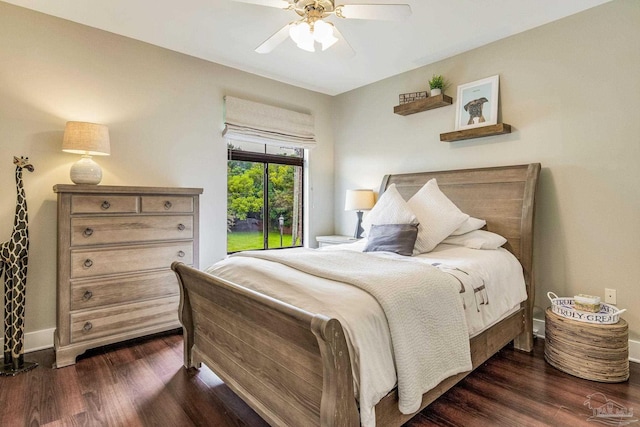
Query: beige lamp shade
{"type": "Point", "coordinates": [86, 138]}
{"type": "Point", "coordinates": [359, 200]}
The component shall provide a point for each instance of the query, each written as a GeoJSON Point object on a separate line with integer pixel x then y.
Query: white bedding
{"type": "Point", "coordinates": [363, 319]}
{"type": "Point", "coordinates": [500, 271]}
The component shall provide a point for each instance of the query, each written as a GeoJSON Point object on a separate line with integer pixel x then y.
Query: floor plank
{"type": "Point", "coordinates": [142, 383]}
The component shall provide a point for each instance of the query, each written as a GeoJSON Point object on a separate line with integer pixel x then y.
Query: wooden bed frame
{"type": "Point", "coordinates": [293, 367]}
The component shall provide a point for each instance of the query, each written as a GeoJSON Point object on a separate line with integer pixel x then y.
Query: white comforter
{"type": "Point", "coordinates": [362, 317]}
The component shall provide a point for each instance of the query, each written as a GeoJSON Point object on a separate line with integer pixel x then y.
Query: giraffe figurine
{"type": "Point", "coordinates": [13, 263]}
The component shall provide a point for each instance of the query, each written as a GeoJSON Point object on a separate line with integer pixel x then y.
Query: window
{"type": "Point", "coordinates": [264, 196]}
{"type": "Point", "coordinates": [265, 174]}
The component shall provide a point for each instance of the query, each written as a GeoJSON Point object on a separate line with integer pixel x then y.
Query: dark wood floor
{"type": "Point", "coordinates": [142, 383]}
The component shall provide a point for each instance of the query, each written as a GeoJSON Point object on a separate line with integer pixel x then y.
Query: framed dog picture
{"type": "Point", "coordinates": [477, 103]}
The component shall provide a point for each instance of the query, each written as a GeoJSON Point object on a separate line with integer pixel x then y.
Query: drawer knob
{"type": "Point", "coordinates": [87, 232]}
{"type": "Point", "coordinates": [167, 205]}
{"type": "Point", "coordinates": [181, 227]}
{"type": "Point", "coordinates": [87, 263]}
{"type": "Point", "coordinates": [87, 295]}
{"type": "Point", "coordinates": [105, 205]}
{"type": "Point", "coordinates": [181, 254]}
{"type": "Point", "coordinates": [87, 327]}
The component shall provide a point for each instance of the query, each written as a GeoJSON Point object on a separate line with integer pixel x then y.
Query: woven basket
{"type": "Point", "coordinates": [565, 307]}
{"type": "Point", "coordinates": [590, 351]}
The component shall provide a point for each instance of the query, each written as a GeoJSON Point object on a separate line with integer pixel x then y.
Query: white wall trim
{"type": "Point", "coordinates": [634, 351]}
{"type": "Point", "coordinates": [43, 339]}
{"type": "Point", "coordinates": [34, 341]}
{"type": "Point", "coordinates": [634, 346]}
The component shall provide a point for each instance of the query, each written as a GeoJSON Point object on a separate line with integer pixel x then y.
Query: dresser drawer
{"type": "Point", "coordinates": [140, 228]}
{"type": "Point", "coordinates": [167, 204]}
{"type": "Point", "coordinates": [102, 292]}
{"type": "Point", "coordinates": [98, 323]}
{"type": "Point", "coordinates": [104, 204]}
{"type": "Point", "coordinates": [128, 259]}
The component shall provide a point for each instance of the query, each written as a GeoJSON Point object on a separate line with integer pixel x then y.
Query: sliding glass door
{"type": "Point", "coordinates": [259, 219]}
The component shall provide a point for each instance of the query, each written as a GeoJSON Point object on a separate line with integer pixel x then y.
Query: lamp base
{"type": "Point", "coordinates": [86, 171]}
{"type": "Point", "coordinates": [359, 229]}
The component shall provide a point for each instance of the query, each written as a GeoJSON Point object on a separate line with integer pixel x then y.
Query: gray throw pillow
{"type": "Point", "coordinates": [398, 238]}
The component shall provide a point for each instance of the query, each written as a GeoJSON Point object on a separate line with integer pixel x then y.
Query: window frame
{"type": "Point", "coordinates": [266, 159]}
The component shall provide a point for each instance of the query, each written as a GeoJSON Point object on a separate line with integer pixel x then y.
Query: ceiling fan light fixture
{"type": "Point", "coordinates": [312, 28]}
{"type": "Point", "coordinates": [305, 35]}
{"type": "Point", "coordinates": [302, 35]}
{"type": "Point", "coordinates": [322, 31]}
{"type": "Point", "coordinates": [300, 32]}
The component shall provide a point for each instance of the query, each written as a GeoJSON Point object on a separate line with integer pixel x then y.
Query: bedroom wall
{"type": "Point", "coordinates": [571, 91]}
{"type": "Point", "coordinates": [164, 112]}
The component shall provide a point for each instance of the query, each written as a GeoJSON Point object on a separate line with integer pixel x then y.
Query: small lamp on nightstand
{"type": "Point", "coordinates": [359, 200]}
{"type": "Point", "coordinates": [88, 139]}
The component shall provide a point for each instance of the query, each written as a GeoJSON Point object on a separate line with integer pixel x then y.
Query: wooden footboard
{"type": "Point", "coordinates": [290, 366]}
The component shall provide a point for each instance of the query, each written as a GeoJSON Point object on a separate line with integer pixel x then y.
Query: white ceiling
{"type": "Point", "coordinates": [227, 32]}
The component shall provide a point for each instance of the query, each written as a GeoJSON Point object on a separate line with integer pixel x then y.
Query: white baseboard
{"type": "Point", "coordinates": [34, 341]}
{"type": "Point", "coordinates": [43, 339]}
{"type": "Point", "coordinates": [634, 346]}
{"type": "Point", "coordinates": [634, 351]}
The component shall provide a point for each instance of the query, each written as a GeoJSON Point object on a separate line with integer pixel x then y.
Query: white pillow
{"type": "Point", "coordinates": [391, 208]}
{"type": "Point", "coordinates": [437, 215]}
{"type": "Point", "coordinates": [477, 239]}
{"type": "Point", "coordinates": [469, 225]}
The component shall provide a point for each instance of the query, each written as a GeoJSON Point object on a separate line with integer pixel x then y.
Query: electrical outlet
{"type": "Point", "coordinates": [610, 296]}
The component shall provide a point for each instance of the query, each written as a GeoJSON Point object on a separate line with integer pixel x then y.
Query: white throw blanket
{"type": "Point", "coordinates": [422, 305]}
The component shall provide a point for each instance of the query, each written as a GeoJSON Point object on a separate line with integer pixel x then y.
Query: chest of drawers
{"type": "Point", "coordinates": [115, 249]}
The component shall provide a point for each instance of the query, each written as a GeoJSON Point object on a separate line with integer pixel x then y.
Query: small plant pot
{"type": "Point", "coordinates": [436, 91]}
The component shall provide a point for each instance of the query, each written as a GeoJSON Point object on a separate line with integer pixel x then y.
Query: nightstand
{"type": "Point", "coordinates": [334, 240]}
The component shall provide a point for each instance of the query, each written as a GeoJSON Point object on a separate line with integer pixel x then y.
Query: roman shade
{"type": "Point", "coordinates": [255, 122]}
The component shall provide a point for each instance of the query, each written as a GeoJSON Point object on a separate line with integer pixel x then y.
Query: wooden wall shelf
{"type": "Point", "coordinates": [429, 103]}
{"type": "Point", "coordinates": [479, 132]}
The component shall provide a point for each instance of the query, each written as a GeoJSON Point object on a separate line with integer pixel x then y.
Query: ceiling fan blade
{"type": "Point", "coordinates": [384, 12]}
{"type": "Point", "coordinates": [281, 4]}
{"type": "Point", "coordinates": [278, 37]}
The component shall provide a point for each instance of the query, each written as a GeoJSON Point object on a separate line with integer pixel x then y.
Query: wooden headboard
{"type": "Point", "coordinates": [503, 196]}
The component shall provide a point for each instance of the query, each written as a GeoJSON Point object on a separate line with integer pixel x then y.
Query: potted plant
{"type": "Point", "coordinates": [437, 84]}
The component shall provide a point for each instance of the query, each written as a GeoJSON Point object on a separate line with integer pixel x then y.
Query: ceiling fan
{"type": "Point", "coordinates": [312, 28]}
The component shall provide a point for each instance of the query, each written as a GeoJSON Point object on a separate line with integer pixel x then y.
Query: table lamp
{"type": "Point", "coordinates": [359, 200]}
{"type": "Point", "coordinates": [88, 139]}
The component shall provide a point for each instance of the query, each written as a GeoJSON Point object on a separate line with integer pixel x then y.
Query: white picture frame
{"type": "Point", "coordinates": [477, 103]}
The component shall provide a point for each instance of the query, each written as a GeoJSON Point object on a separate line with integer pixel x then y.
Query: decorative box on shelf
{"type": "Point", "coordinates": [405, 98]}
